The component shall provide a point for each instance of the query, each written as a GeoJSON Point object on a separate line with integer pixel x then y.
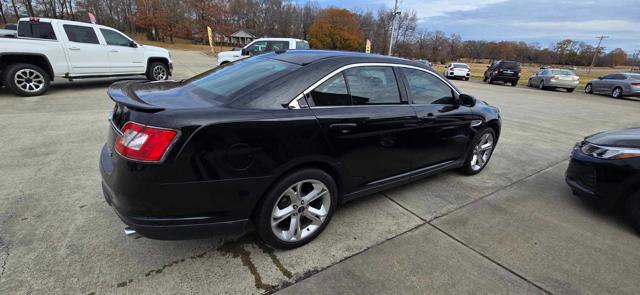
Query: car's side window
{"type": "Point", "coordinates": [425, 88]}
{"type": "Point", "coordinates": [81, 34]}
{"type": "Point", "coordinates": [115, 38]}
{"type": "Point", "coordinates": [332, 92]}
{"type": "Point", "coordinates": [277, 45]}
{"type": "Point", "coordinates": [372, 85]}
{"type": "Point", "coordinates": [608, 77]}
{"type": "Point", "coordinates": [257, 48]}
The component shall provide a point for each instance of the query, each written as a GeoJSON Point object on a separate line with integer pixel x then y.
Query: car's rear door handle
{"type": "Point", "coordinates": [113, 50]}
{"type": "Point", "coordinates": [343, 127]}
{"type": "Point", "coordinates": [429, 118]}
{"type": "Point", "coordinates": [74, 48]}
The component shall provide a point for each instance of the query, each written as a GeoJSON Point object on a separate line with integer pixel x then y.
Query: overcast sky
{"type": "Point", "coordinates": [542, 21]}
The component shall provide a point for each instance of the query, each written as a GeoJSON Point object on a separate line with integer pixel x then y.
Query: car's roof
{"type": "Point", "coordinates": [303, 57]}
{"type": "Point", "coordinates": [279, 39]}
{"type": "Point", "coordinates": [52, 20]}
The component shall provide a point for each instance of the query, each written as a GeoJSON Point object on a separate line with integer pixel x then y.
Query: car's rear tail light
{"type": "Point", "coordinates": [635, 83]}
{"type": "Point", "coordinates": [144, 143]}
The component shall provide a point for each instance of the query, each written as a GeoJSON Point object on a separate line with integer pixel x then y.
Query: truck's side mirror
{"type": "Point", "coordinates": [244, 51]}
{"type": "Point", "coordinates": [133, 44]}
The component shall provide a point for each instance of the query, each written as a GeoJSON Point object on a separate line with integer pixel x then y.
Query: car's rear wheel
{"type": "Point", "coordinates": [616, 92]}
{"type": "Point", "coordinates": [588, 89]}
{"type": "Point", "coordinates": [297, 209]}
{"type": "Point", "coordinates": [480, 153]}
{"type": "Point", "coordinates": [26, 79]}
{"type": "Point", "coordinates": [541, 85]}
{"type": "Point", "coordinates": [514, 83]}
{"type": "Point", "coordinates": [632, 210]}
{"type": "Point", "coordinates": [158, 71]}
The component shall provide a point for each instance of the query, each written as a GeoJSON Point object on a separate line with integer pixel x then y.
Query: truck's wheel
{"type": "Point", "coordinates": [26, 79]}
{"type": "Point", "coordinates": [157, 71]}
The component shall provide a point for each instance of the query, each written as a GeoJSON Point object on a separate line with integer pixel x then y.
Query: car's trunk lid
{"type": "Point", "coordinates": [146, 96]}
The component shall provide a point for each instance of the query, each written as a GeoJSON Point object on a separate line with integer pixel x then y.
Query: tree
{"type": "Point", "coordinates": [336, 29]}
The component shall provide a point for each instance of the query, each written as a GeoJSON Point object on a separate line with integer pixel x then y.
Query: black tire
{"type": "Point", "coordinates": [632, 211]}
{"type": "Point", "coordinates": [541, 85]}
{"type": "Point", "coordinates": [263, 217]}
{"type": "Point", "coordinates": [514, 83]}
{"type": "Point", "coordinates": [466, 78]}
{"type": "Point", "coordinates": [484, 79]}
{"type": "Point", "coordinates": [570, 90]}
{"type": "Point", "coordinates": [617, 94]}
{"type": "Point", "coordinates": [157, 71]}
{"type": "Point", "coordinates": [467, 168]}
{"type": "Point", "coordinates": [26, 89]}
{"type": "Point", "coordinates": [529, 83]}
{"type": "Point", "coordinates": [588, 89]}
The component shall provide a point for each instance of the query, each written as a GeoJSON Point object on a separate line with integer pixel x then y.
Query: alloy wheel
{"type": "Point", "coordinates": [300, 210]}
{"type": "Point", "coordinates": [617, 92]}
{"type": "Point", "coordinates": [541, 85]}
{"type": "Point", "coordinates": [587, 89]}
{"type": "Point", "coordinates": [159, 73]}
{"type": "Point", "coordinates": [482, 152]}
{"type": "Point", "coordinates": [29, 80]}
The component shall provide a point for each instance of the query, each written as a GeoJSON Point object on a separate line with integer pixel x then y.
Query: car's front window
{"type": "Point", "coordinates": [425, 88]}
{"type": "Point", "coordinates": [223, 83]}
{"type": "Point", "coordinates": [257, 47]}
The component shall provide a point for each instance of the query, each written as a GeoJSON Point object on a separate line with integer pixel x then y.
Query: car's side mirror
{"type": "Point", "coordinates": [133, 44]}
{"type": "Point", "coordinates": [244, 51]}
{"type": "Point", "coordinates": [467, 100]}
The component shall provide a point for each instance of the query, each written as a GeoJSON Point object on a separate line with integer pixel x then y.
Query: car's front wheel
{"type": "Point", "coordinates": [632, 210]}
{"type": "Point", "coordinates": [158, 71]}
{"type": "Point", "coordinates": [297, 209]}
{"type": "Point", "coordinates": [480, 153]}
{"type": "Point", "coordinates": [26, 79]}
{"type": "Point", "coordinates": [588, 89]}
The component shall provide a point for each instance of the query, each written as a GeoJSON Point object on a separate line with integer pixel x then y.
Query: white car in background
{"type": "Point", "coordinates": [260, 46]}
{"type": "Point", "coordinates": [457, 70]}
{"type": "Point", "coordinates": [45, 49]}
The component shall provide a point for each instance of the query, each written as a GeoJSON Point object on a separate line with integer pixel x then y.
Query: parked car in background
{"type": "Point", "coordinates": [504, 71]}
{"type": "Point", "coordinates": [10, 30]}
{"type": "Point", "coordinates": [616, 85]}
{"type": "Point", "coordinates": [457, 70]}
{"type": "Point", "coordinates": [605, 167]}
{"type": "Point", "coordinates": [260, 46]}
{"type": "Point", "coordinates": [550, 78]}
{"type": "Point", "coordinates": [276, 141]}
{"type": "Point", "coordinates": [425, 61]}
{"type": "Point", "coordinates": [49, 48]}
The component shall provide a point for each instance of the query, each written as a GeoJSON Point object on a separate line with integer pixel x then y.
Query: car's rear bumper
{"type": "Point", "coordinates": [505, 78]}
{"type": "Point", "coordinates": [563, 83]}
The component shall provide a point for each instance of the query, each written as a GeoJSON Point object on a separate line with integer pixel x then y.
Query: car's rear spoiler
{"type": "Point", "coordinates": [122, 93]}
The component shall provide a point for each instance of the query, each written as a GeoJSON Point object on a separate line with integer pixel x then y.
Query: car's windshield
{"type": "Point", "coordinates": [562, 72]}
{"type": "Point", "coordinates": [222, 83]}
{"type": "Point", "coordinates": [460, 66]}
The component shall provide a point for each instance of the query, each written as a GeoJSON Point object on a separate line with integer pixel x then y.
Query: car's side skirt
{"type": "Point", "coordinates": [400, 179]}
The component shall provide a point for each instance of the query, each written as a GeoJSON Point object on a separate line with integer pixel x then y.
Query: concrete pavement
{"type": "Point", "coordinates": [515, 228]}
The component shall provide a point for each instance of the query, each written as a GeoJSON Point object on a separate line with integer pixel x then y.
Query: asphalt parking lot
{"type": "Point", "coordinates": [514, 228]}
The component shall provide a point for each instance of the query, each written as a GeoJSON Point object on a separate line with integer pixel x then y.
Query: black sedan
{"type": "Point", "coordinates": [275, 142]}
{"type": "Point", "coordinates": [605, 167]}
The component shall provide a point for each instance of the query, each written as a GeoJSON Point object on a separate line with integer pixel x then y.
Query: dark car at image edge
{"type": "Point", "coordinates": [605, 169]}
{"type": "Point", "coordinates": [275, 142]}
{"type": "Point", "coordinates": [503, 71]}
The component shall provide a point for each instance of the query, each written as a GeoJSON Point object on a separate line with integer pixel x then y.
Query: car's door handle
{"type": "Point", "coordinates": [429, 118]}
{"type": "Point", "coordinates": [343, 127]}
{"type": "Point", "coordinates": [113, 50]}
{"type": "Point", "coordinates": [74, 48]}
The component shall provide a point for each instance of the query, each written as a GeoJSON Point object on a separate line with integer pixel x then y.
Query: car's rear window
{"type": "Point", "coordinates": [223, 83]}
{"type": "Point", "coordinates": [460, 66]}
{"type": "Point", "coordinates": [634, 76]}
{"type": "Point", "coordinates": [562, 72]}
{"type": "Point", "coordinates": [302, 45]}
{"type": "Point", "coordinates": [510, 65]}
{"type": "Point", "coordinates": [36, 30]}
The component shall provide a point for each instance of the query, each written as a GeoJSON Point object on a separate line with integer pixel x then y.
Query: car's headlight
{"type": "Point", "coordinates": [608, 152]}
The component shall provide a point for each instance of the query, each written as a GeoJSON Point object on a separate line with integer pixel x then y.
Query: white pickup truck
{"type": "Point", "coordinates": [44, 49]}
{"type": "Point", "coordinates": [260, 46]}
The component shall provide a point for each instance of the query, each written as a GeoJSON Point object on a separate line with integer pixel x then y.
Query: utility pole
{"type": "Point", "coordinates": [595, 54]}
{"type": "Point", "coordinates": [393, 22]}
